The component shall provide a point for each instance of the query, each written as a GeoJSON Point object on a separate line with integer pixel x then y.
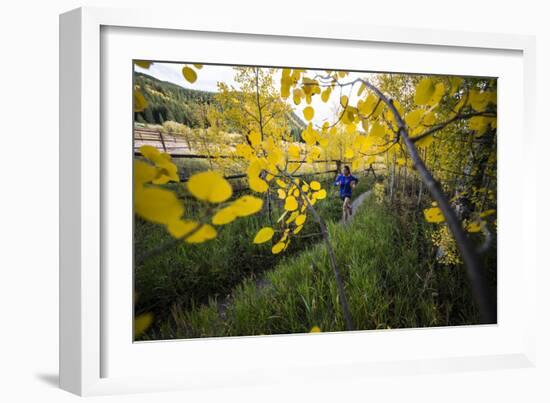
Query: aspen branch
{"type": "Point", "coordinates": [484, 297]}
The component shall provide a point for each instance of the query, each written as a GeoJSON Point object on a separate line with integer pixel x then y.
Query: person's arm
{"type": "Point", "coordinates": [337, 181]}
{"type": "Point", "coordinates": [354, 181]}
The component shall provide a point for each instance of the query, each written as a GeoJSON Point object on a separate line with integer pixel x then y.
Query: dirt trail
{"type": "Point", "coordinates": [356, 203]}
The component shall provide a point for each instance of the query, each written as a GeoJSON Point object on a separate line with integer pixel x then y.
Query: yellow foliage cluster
{"type": "Point", "coordinates": [379, 192]}
{"type": "Point", "coordinates": [448, 253]}
{"type": "Point", "coordinates": [272, 167]}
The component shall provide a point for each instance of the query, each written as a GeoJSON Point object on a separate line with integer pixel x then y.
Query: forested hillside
{"type": "Point", "coordinates": [170, 102]}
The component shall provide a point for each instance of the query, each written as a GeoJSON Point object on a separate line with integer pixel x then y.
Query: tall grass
{"type": "Point", "coordinates": [390, 279]}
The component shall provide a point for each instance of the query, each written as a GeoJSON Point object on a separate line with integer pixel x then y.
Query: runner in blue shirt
{"type": "Point", "coordinates": [347, 183]}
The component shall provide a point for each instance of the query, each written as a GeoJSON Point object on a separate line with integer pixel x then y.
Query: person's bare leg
{"type": "Point", "coordinates": [348, 205]}
{"type": "Point", "coordinates": [346, 208]}
{"type": "Point", "coordinates": [344, 211]}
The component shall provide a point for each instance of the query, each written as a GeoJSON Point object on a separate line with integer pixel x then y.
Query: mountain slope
{"type": "Point", "coordinates": [168, 101]}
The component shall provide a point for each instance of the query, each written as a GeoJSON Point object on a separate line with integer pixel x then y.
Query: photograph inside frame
{"type": "Point", "coordinates": [284, 200]}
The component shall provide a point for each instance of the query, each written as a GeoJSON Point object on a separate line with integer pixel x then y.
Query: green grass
{"type": "Point", "coordinates": [390, 280]}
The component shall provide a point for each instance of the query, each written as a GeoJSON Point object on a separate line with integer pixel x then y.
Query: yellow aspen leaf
{"type": "Point", "coordinates": [349, 153]}
{"type": "Point", "coordinates": [198, 66]}
{"type": "Point", "coordinates": [142, 323]}
{"type": "Point", "coordinates": [255, 138]}
{"type": "Point", "coordinates": [277, 248]}
{"type": "Point", "coordinates": [294, 151]}
{"type": "Point", "coordinates": [264, 235]}
{"type": "Point", "coordinates": [297, 96]}
{"type": "Point", "coordinates": [425, 141]}
{"type": "Point", "coordinates": [480, 99]}
{"type": "Point", "coordinates": [285, 90]}
{"type": "Point", "coordinates": [157, 205]}
{"type": "Point", "coordinates": [480, 124]}
{"type": "Point", "coordinates": [292, 217]}
{"type": "Point", "coordinates": [140, 103]}
{"type": "Point", "coordinates": [309, 112]}
{"type": "Point", "coordinates": [143, 172]}
{"type": "Point", "coordinates": [437, 95]}
{"type": "Point", "coordinates": [281, 194]}
{"type": "Point", "coordinates": [205, 233]}
{"type": "Point", "coordinates": [305, 188]}
{"type": "Point", "coordinates": [424, 91]}
{"type": "Point", "coordinates": [428, 119]}
{"type": "Point", "coordinates": [413, 118]}
{"type": "Point", "coordinates": [281, 183]}
{"type": "Point", "coordinates": [244, 150]}
{"type": "Point", "coordinates": [247, 205]}
{"type": "Point", "coordinates": [298, 229]}
{"type": "Point", "coordinates": [315, 329]}
{"type": "Point", "coordinates": [210, 186]}
{"type": "Point", "coordinates": [473, 227]}
{"type": "Point", "coordinates": [309, 135]}
{"type": "Point", "coordinates": [296, 193]}
{"type": "Point", "coordinates": [325, 95]}
{"type": "Point", "coordinates": [166, 172]}
{"type": "Point", "coordinates": [371, 107]}
{"type": "Point", "coordinates": [143, 63]}
{"type": "Point", "coordinates": [365, 125]}
{"type": "Point", "coordinates": [257, 185]}
{"type": "Point", "coordinates": [315, 185]}
{"type": "Point", "coordinates": [377, 130]}
{"type": "Point", "coordinates": [487, 213]}
{"type": "Point", "coordinates": [224, 216]}
{"type": "Point", "coordinates": [362, 88]}
{"type": "Point", "coordinates": [434, 214]}
{"type": "Point", "coordinates": [300, 219]}
{"type": "Point", "coordinates": [344, 101]}
{"type": "Point", "coordinates": [320, 195]}
{"type": "Point", "coordinates": [189, 74]}
{"type": "Point", "coordinates": [180, 228]}
{"type": "Point", "coordinates": [290, 203]}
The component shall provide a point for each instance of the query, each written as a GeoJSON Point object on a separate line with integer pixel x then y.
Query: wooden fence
{"type": "Point", "coordinates": [178, 148]}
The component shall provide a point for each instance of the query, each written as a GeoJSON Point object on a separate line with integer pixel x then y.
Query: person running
{"type": "Point", "coordinates": [347, 183]}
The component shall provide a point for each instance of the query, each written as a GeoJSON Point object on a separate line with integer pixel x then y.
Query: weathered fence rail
{"type": "Point", "coordinates": [177, 147]}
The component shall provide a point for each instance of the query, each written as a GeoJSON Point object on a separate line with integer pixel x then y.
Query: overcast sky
{"type": "Point", "coordinates": [210, 75]}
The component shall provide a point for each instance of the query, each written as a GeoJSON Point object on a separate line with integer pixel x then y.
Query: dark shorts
{"type": "Point", "coordinates": [343, 197]}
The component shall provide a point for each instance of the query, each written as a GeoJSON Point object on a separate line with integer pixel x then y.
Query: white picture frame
{"type": "Point", "coordinates": [96, 355]}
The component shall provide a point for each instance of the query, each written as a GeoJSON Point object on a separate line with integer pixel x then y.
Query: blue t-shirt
{"type": "Point", "coordinates": [345, 184]}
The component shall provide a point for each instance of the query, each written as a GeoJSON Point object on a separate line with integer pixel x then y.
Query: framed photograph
{"type": "Point", "coordinates": [242, 204]}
